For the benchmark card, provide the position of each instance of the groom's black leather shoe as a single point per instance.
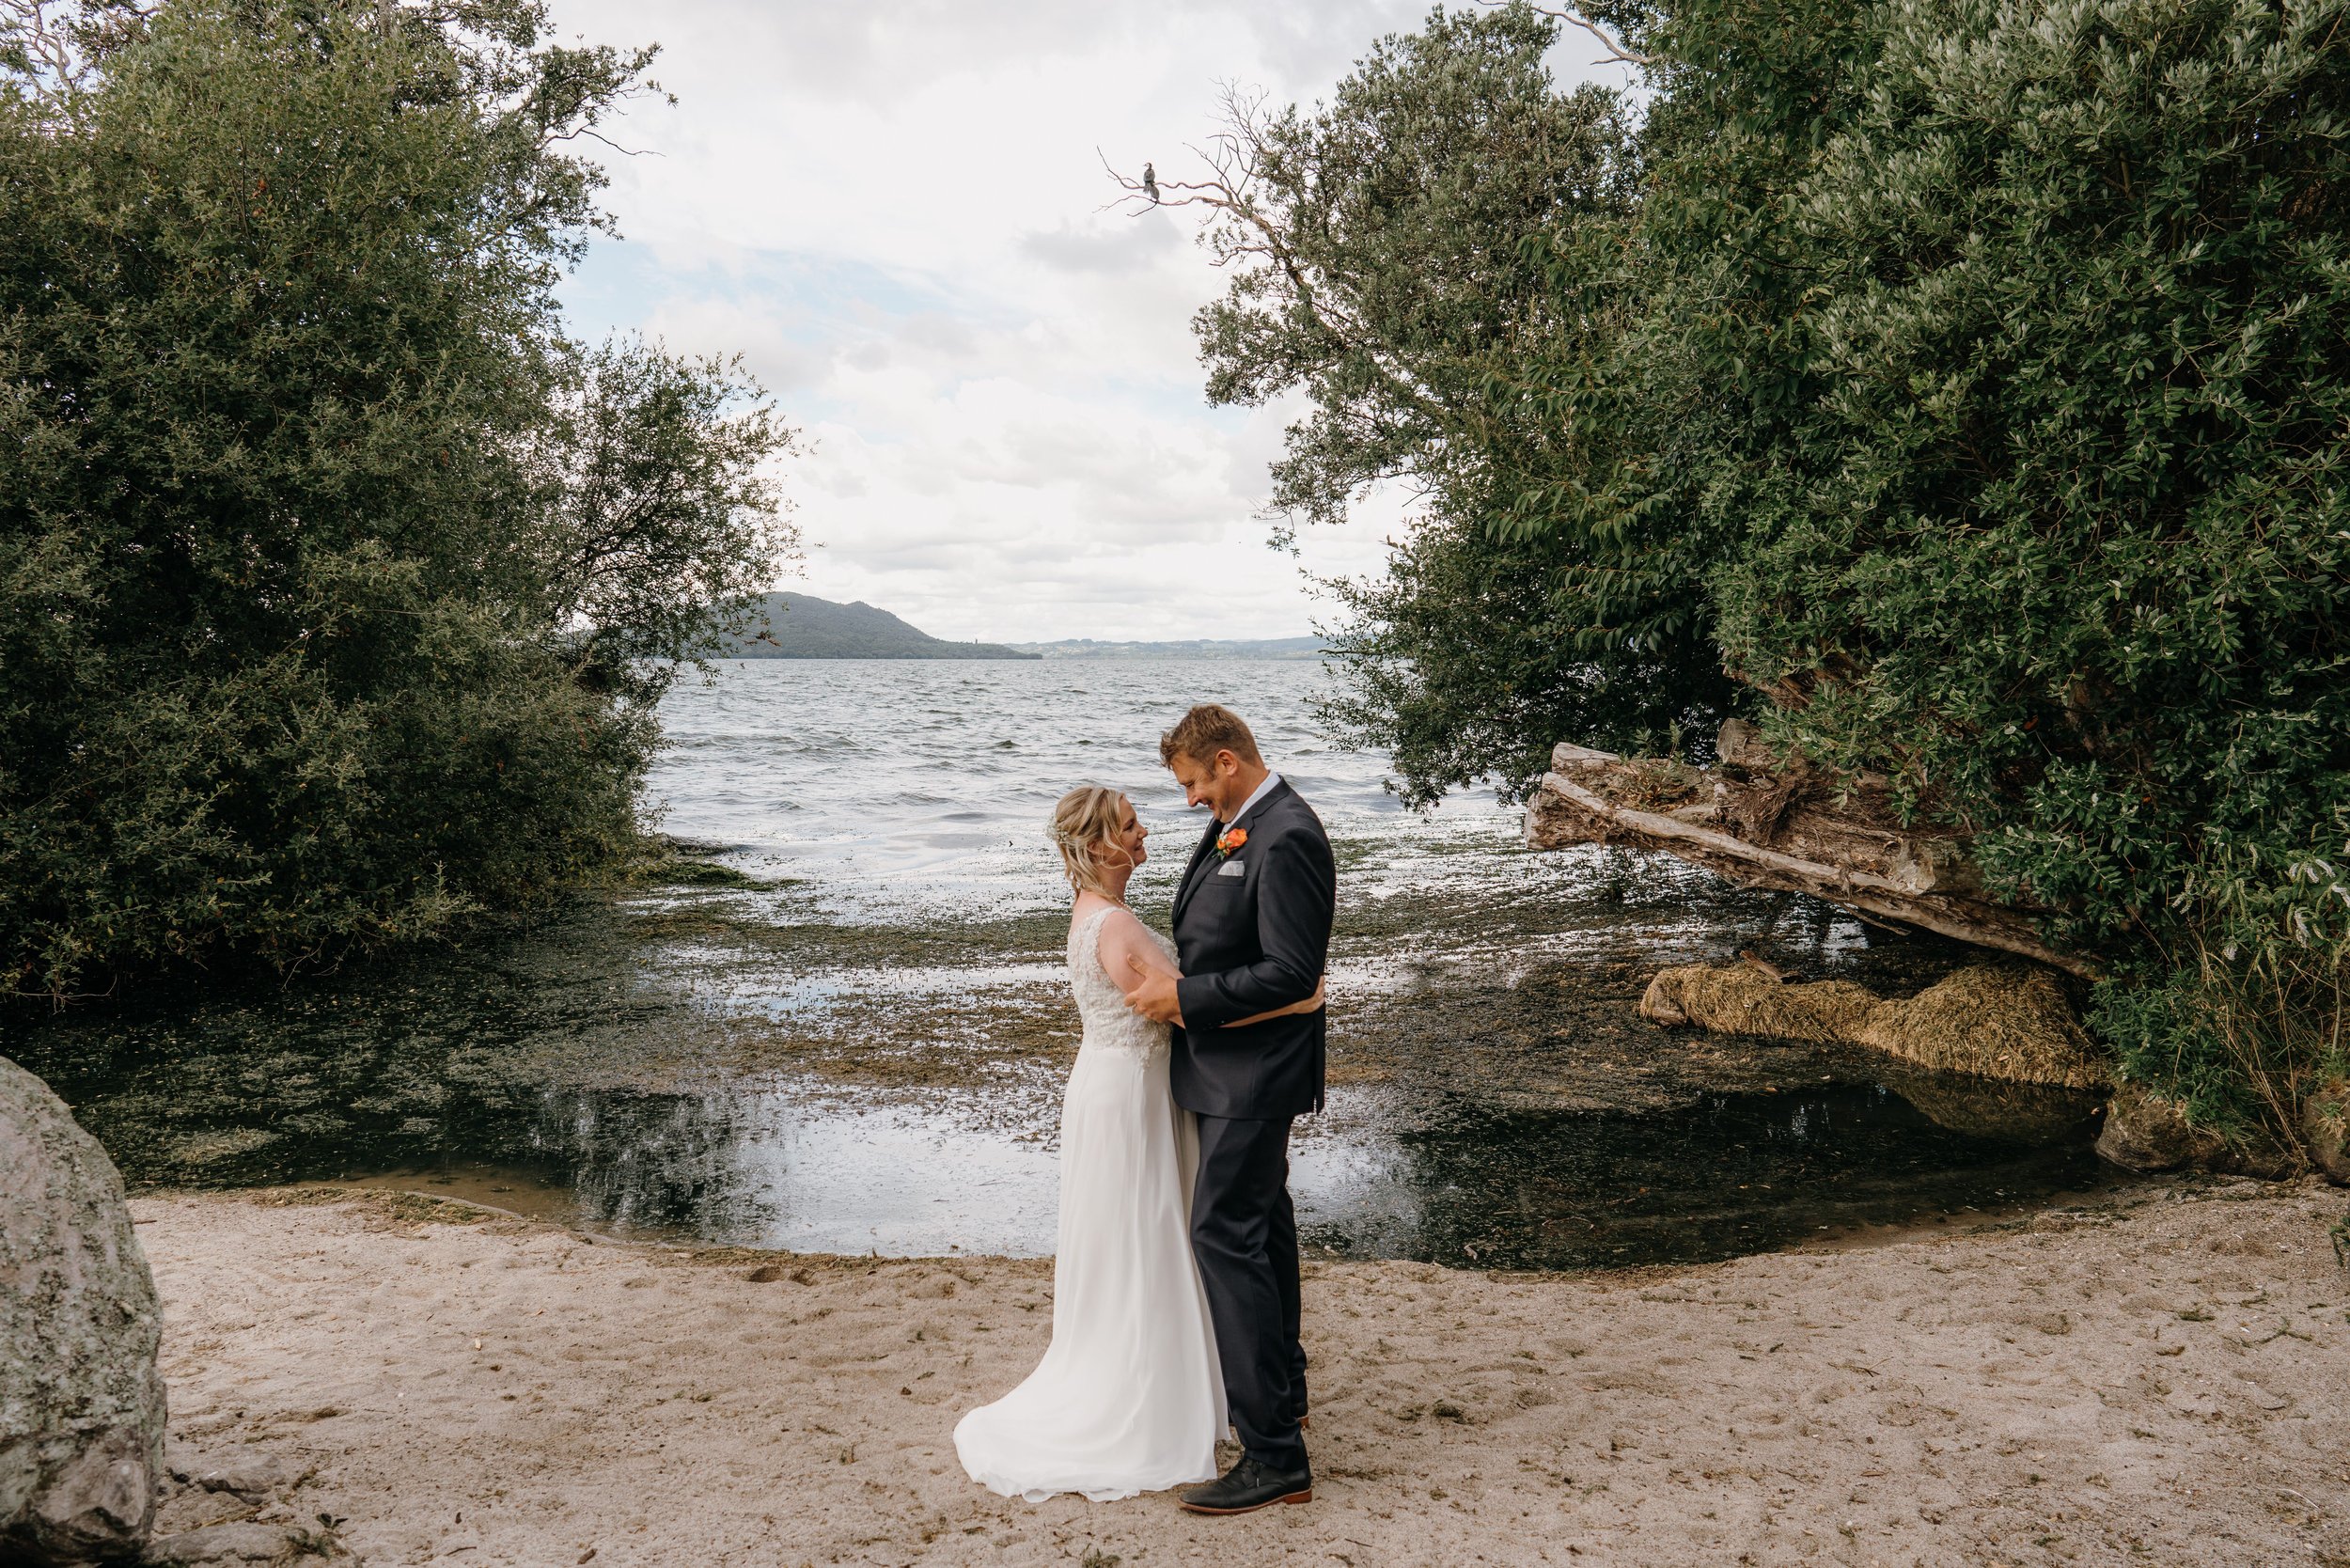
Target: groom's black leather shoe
(1249, 1486)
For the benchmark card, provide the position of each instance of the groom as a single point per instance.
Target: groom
(1252, 928)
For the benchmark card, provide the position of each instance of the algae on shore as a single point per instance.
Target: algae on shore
(722, 1063)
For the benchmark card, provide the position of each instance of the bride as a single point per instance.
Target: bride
(1128, 1398)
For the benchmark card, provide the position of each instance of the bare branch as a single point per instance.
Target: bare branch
(1608, 40)
(1230, 157)
(62, 41)
(1142, 194)
(1243, 228)
(578, 132)
(58, 68)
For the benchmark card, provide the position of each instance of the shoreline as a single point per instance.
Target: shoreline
(462, 1193)
(2161, 1373)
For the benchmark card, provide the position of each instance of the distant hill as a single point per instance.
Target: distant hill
(802, 626)
(1199, 648)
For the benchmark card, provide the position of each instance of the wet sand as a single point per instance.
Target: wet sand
(2159, 1375)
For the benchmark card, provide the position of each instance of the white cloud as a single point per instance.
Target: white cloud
(894, 211)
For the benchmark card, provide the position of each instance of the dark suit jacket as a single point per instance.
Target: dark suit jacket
(1250, 941)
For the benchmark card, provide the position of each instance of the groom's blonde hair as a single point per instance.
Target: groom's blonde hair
(1083, 823)
(1205, 731)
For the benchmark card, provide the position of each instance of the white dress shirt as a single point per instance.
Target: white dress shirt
(1254, 795)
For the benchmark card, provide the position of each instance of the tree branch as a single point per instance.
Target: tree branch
(1232, 157)
(57, 40)
(1608, 40)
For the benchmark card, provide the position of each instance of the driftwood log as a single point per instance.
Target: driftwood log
(1763, 824)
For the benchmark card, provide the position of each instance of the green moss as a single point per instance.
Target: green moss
(707, 873)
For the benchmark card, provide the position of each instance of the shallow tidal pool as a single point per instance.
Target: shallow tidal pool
(862, 1049)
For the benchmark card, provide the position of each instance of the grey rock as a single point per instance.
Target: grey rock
(181, 1460)
(1567, 757)
(81, 1400)
(2263, 1156)
(251, 1478)
(226, 1543)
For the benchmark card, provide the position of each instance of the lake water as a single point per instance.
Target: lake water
(861, 1049)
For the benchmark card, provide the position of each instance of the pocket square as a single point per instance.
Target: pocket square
(1231, 868)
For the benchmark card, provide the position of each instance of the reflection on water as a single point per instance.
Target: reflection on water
(1733, 1173)
(867, 1056)
(1513, 1190)
(570, 1074)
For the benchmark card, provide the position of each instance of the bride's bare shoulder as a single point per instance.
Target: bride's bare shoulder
(1108, 919)
(1118, 924)
(1124, 936)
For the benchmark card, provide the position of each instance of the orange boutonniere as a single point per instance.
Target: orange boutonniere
(1230, 839)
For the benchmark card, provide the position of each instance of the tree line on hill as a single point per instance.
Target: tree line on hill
(1959, 388)
(802, 626)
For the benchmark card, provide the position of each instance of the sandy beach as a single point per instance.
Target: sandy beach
(2160, 1376)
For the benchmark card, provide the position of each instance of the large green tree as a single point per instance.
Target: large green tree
(1966, 381)
(2056, 534)
(1437, 258)
(336, 581)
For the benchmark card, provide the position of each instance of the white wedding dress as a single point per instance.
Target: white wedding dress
(1128, 1398)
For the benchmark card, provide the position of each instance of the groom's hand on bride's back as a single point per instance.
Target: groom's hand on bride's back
(1151, 994)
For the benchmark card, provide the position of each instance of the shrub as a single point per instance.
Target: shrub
(329, 569)
(1969, 381)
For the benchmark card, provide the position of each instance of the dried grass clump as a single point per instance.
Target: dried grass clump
(1995, 1022)
(2004, 1022)
(1742, 1000)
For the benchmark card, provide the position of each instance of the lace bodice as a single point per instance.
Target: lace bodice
(1109, 1022)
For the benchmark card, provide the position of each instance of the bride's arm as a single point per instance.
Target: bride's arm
(1128, 955)
(1311, 1004)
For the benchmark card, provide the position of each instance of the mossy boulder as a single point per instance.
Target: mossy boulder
(2148, 1132)
(2326, 1129)
(81, 1399)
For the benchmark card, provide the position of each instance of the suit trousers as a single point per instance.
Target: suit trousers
(1243, 1232)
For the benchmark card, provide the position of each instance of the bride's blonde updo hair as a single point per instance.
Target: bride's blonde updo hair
(1084, 823)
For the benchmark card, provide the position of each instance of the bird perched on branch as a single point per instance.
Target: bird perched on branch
(1150, 183)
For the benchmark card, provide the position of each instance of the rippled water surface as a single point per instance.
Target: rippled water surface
(860, 1046)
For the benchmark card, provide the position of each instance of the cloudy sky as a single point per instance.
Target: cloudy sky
(893, 211)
